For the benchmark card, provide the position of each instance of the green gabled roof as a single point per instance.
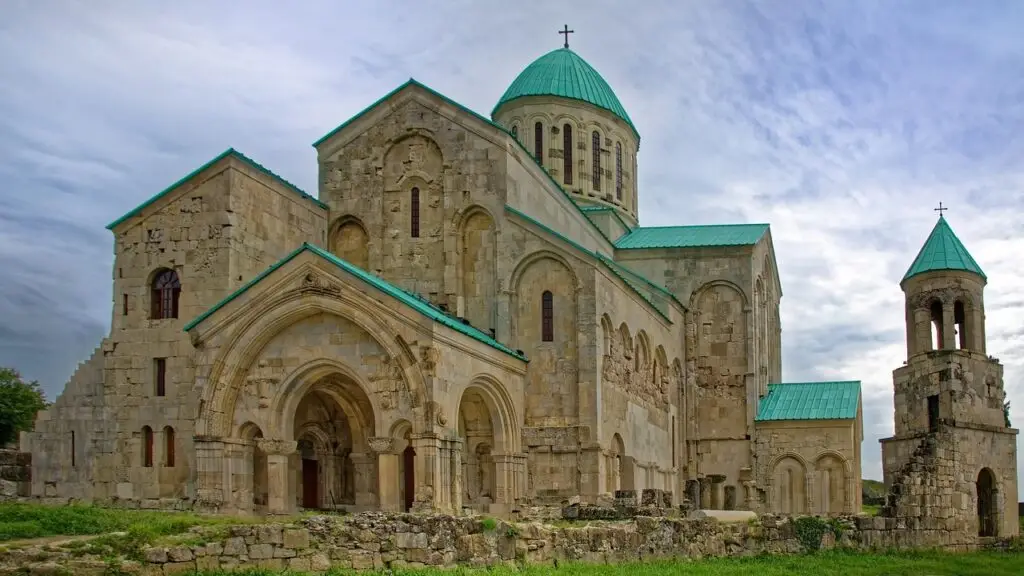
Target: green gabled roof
(692, 236)
(629, 277)
(415, 302)
(943, 251)
(810, 401)
(564, 74)
(229, 152)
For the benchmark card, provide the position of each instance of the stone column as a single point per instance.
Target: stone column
(210, 485)
(364, 467)
(428, 477)
(387, 474)
(238, 475)
(278, 452)
(705, 493)
(717, 491)
(457, 479)
(809, 493)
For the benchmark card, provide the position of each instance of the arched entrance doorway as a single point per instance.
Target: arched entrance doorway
(481, 441)
(987, 516)
(408, 477)
(257, 468)
(333, 466)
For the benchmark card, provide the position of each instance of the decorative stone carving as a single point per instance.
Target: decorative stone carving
(381, 444)
(315, 283)
(388, 381)
(276, 447)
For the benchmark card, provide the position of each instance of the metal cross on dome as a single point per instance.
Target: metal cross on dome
(940, 209)
(566, 31)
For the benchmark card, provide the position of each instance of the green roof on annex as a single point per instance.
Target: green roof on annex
(564, 74)
(810, 401)
(692, 236)
(943, 251)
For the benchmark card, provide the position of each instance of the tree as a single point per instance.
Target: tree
(1006, 413)
(19, 403)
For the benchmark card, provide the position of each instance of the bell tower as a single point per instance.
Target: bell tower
(952, 463)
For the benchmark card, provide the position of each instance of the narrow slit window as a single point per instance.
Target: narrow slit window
(515, 131)
(547, 317)
(538, 142)
(124, 304)
(595, 144)
(414, 208)
(618, 171)
(169, 447)
(147, 447)
(933, 413)
(567, 154)
(72, 448)
(160, 376)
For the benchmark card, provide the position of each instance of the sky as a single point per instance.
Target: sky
(843, 124)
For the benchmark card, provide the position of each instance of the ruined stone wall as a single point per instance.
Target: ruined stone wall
(808, 467)
(934, 479)
(616, 164)
(378, 541)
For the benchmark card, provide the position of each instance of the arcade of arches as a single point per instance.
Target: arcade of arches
(333, 460)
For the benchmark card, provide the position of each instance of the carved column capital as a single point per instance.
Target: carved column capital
(381, 444)
(276, 447)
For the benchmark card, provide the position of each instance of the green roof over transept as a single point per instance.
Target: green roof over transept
(564, 74)
(943, 251)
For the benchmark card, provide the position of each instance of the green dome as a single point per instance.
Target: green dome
(564, 74)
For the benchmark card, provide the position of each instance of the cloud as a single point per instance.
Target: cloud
(841, 123)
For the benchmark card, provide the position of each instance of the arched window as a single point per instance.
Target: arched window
(547, 317)
(595, 144)
(169, 447)
(960, 319)
(538, 142)
(165, 292)
(147, 446)
(515, 131)
(414, 213)
(567, 154)
(935, 309)
(618, 171)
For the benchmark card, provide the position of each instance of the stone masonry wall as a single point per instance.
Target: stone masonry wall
(377, 540)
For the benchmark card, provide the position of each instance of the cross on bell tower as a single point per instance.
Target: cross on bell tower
(566, 32)
(940, 209)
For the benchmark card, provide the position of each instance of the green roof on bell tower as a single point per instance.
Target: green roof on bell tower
(943, 251)
(564, 74)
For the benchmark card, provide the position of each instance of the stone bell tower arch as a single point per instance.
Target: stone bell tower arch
(950, 426)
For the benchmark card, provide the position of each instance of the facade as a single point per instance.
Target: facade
(467, 317)
(952, 462)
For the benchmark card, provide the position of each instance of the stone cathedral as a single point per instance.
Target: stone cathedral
(467, 317)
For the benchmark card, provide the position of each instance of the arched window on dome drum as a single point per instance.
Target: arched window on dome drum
(165, 292)
(414, 212)
(547, 317)
(515, 131)
(538, 142)
(618, 171)
(595, 144)
(567, 153)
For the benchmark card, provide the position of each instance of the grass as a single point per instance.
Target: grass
(821, 564)
(118, 532)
